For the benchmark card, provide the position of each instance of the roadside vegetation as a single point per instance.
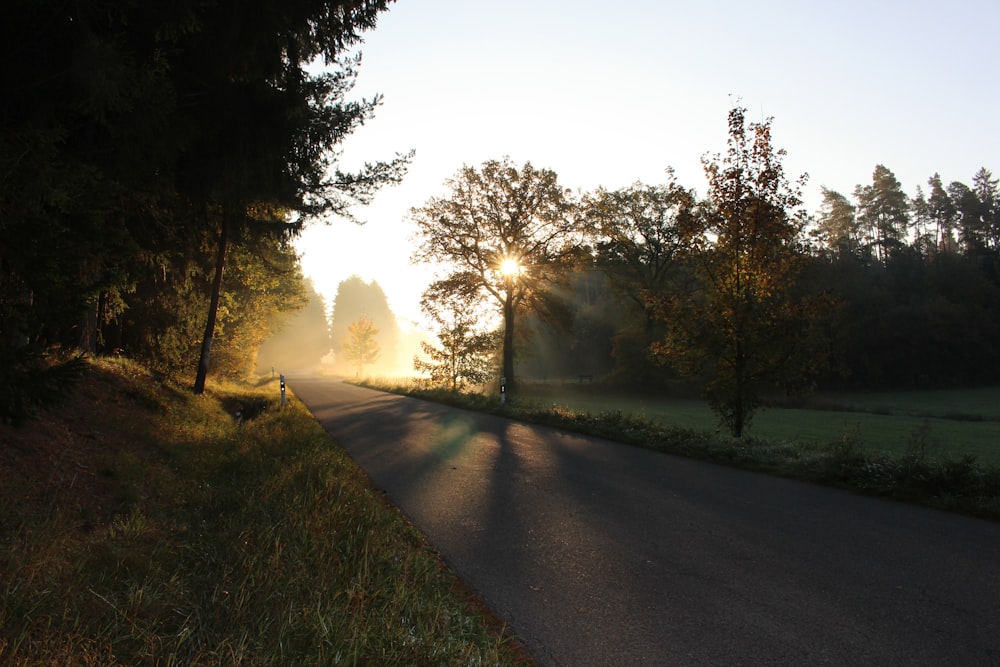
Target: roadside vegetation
(903, 448)
(146, 525)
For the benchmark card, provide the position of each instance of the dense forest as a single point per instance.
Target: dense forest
(156, 161)
(913, 281)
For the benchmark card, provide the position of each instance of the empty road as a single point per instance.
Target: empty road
(602, 554)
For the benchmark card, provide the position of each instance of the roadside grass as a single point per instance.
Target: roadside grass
(145, 525)
(937, 462)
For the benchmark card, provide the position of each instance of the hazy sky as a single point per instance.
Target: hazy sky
(611, 93)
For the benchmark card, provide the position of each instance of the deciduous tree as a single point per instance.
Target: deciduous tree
(743, 330)
(356, 298)
(297, 340)
(467, 351)
(360, 346)
(636, 234)
(502, 234)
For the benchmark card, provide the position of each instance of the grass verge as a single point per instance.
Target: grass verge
(146, 526)
(920, 473)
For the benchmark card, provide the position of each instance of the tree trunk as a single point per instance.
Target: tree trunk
(740, 397)
(87, 331)
(108, 334)
(508, 338)
(213, 307)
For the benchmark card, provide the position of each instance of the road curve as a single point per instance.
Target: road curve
(602, 554)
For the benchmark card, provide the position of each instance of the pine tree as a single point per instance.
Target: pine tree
(883, 211)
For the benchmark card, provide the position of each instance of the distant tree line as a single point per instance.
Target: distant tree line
(360, 323)
(912, 283)
(157, 158)
(741, 293)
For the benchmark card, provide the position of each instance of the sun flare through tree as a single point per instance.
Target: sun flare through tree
(502, 234)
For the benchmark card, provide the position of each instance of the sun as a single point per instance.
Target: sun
(509, 267)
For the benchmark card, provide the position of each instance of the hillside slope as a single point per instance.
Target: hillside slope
(63, 461)
(144, 525)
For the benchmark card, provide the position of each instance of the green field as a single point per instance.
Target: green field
(951, 423)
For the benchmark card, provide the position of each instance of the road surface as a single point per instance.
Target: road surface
(602, 554)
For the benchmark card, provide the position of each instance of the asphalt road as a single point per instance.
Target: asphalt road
(603, 554)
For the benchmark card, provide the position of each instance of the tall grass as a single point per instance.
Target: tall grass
(254, 543)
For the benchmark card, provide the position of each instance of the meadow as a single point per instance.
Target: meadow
(953, 423)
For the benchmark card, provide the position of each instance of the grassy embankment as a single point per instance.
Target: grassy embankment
(938, 449)
(142, 525)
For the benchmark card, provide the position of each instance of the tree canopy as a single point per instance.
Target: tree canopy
(883, 212)
(356, 299)
(141, 142)
(637, 240)
(467, 350)
(741, 328)
(502, 234)
(360, 346)
(637, 232)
